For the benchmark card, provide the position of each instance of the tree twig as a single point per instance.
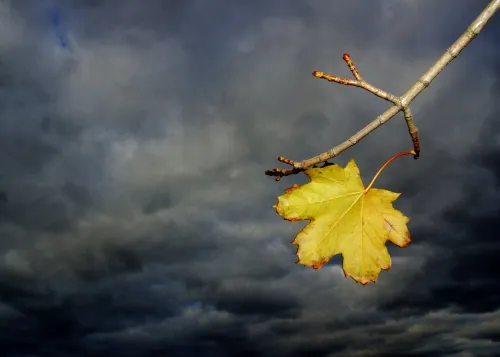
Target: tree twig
(400, 103)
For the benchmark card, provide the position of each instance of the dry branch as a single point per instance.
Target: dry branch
(400, 103)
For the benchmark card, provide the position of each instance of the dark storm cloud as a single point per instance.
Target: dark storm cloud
(135, 218)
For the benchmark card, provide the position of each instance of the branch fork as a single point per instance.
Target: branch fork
(399, 103)
(360, 82)
(357, 82)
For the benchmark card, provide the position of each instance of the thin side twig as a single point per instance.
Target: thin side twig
(412, 129)
(358, 82)
(400, 103)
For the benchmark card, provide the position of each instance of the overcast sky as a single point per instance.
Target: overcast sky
(135, 216)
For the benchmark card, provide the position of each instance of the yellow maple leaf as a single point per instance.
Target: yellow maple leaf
(345, 218)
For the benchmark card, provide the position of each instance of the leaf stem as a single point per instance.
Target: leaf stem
(411, 152)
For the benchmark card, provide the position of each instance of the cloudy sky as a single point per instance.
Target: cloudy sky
(135, 216)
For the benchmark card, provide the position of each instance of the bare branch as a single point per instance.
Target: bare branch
(413, 131)
(400, 103)
(358, 82)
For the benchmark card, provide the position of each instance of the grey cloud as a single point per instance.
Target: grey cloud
(135, 217)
